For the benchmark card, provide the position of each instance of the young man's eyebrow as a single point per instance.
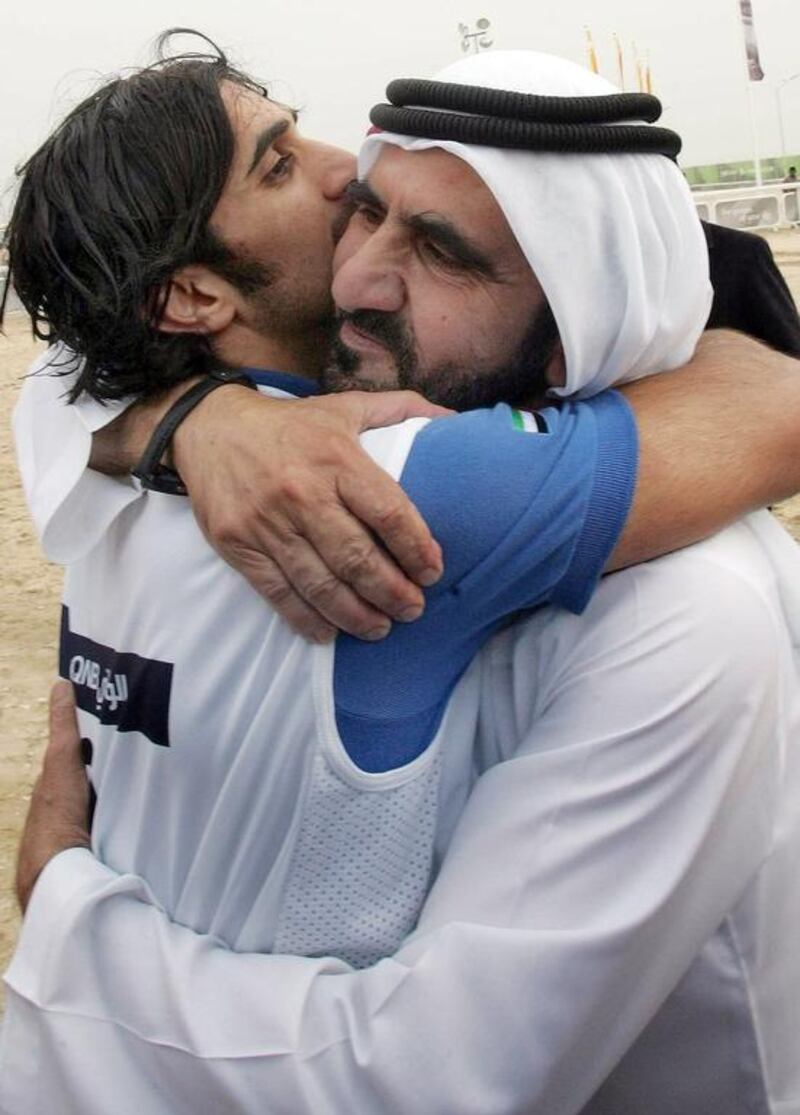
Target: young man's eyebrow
(266, 139)
(458, 246)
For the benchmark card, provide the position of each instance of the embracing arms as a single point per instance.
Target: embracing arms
(286, 495)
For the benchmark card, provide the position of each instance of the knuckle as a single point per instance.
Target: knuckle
(321, 590)
(252, 564)
(391, 517)
(356, 560)
(336, 450)
(224, 531)
(278, 592)
(293, 487)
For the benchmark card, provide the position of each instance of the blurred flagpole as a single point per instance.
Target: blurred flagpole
(637, 65)
(754, 73)
(592, 52)
(620, 62)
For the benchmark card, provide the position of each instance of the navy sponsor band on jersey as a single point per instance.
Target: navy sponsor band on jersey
(118, 687)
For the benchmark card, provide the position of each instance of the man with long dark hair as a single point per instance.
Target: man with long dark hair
(131, 218)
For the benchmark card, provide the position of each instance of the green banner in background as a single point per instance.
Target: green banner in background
(739, 174)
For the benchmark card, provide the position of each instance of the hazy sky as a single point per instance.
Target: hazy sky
(336, 59)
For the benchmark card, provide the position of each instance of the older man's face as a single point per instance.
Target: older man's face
(434, 290)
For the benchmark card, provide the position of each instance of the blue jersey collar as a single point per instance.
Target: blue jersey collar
(283, 381)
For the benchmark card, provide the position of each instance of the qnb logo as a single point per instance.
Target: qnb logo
(118, 687)
(107, 690)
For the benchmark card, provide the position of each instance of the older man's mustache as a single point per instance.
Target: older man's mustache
(385, 328)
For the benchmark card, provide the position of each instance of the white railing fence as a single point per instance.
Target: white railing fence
(750, 207)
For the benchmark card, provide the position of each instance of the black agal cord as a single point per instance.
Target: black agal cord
(503, 118)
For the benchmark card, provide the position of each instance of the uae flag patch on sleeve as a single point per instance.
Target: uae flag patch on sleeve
(528, 422)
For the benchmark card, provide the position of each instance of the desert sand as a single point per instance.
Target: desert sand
(29, 606)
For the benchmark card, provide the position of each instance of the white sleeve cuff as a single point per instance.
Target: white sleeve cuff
(74, 873)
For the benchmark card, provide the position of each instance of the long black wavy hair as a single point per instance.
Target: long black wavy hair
(112, 204)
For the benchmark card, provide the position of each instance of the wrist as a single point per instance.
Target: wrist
(117, 447)
(155, 469)
(212, 420)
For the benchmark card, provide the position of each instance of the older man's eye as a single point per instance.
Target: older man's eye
(368, 216)
(434, 254)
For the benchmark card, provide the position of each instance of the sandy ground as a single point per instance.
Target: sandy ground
(29, 593)
(29, 608)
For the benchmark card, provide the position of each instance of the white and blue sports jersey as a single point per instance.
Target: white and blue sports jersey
(297, 798)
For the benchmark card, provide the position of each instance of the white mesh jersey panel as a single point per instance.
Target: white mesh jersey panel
(361, 866)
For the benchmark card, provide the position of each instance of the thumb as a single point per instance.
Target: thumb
(59, 803)
(385, 408)
(62, 705)
(65, 744)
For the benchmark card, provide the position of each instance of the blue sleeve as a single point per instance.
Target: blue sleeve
(524, 517)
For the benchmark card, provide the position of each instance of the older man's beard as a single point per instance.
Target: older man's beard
(516, 381)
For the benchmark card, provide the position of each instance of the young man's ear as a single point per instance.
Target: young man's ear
(198, 301)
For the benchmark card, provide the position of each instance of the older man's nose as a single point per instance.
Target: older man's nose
(366, 283)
